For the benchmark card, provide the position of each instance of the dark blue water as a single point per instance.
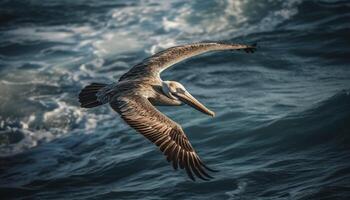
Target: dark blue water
(282, 129)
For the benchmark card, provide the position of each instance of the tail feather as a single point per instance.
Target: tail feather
(87, 96)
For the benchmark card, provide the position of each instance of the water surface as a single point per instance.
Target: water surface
(283, 113)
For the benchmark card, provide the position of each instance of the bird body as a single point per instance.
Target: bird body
(140, 89)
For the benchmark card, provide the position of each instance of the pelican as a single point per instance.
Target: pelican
(140, 89)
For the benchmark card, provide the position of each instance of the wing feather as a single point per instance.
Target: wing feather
(141, 115)
(152, 67)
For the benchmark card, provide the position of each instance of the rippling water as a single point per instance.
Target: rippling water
(283, 113)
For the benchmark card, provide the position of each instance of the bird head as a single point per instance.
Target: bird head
(177, 91)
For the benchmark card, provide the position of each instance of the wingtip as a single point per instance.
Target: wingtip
(251, 48)
(210, 169)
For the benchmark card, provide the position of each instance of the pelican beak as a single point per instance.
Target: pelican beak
(188, 99)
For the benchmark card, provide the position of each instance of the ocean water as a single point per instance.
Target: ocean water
(282, 125)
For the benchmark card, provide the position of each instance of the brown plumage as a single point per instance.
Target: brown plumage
(138, 91)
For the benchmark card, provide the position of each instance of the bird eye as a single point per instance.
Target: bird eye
(180, 90)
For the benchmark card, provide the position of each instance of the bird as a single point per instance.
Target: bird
(137, 93)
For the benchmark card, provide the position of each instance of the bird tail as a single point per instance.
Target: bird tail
(88, 95)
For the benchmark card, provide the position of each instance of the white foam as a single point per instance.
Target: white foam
(47, 126)
(116, 43)
(241, 187)
(40, 33)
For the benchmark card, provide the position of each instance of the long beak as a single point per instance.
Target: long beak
(191, 101)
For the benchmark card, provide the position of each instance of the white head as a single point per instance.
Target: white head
(177, 91)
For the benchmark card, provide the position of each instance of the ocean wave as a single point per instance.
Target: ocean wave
(43, 126)
(323, 127)
(281, 124)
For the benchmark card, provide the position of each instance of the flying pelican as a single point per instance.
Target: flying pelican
(140, 89)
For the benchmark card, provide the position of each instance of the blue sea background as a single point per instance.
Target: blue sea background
(282, 121)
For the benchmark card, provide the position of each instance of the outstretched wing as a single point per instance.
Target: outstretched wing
(154, 65)
(141, 115)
